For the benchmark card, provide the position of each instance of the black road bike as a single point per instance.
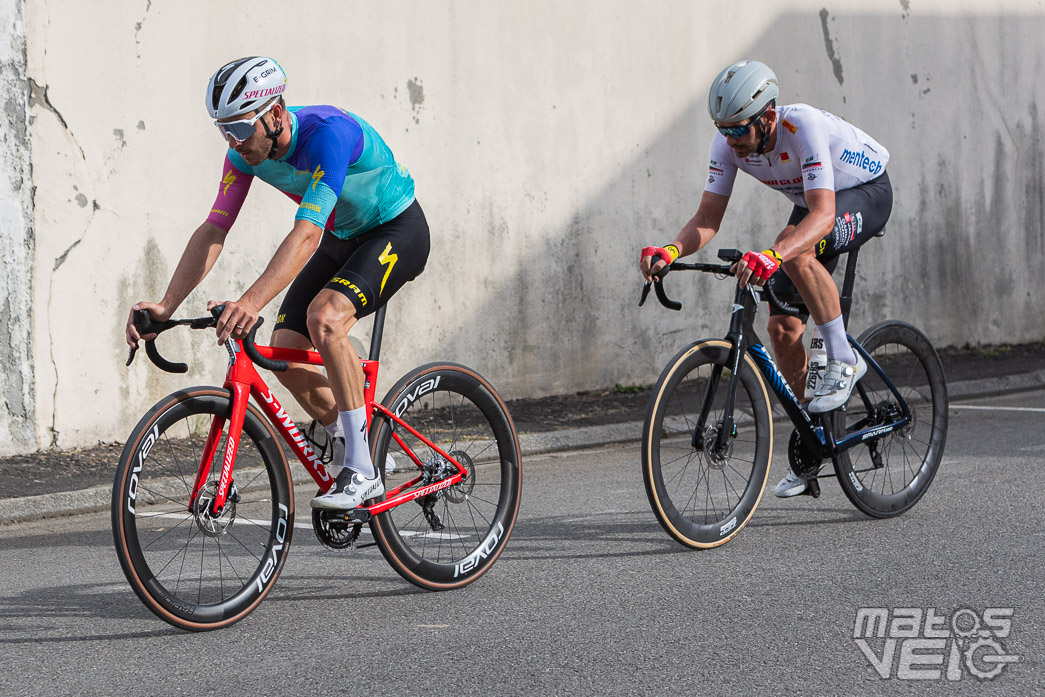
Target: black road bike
(708, 434)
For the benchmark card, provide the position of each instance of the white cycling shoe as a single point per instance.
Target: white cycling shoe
(837, 385)
(791, 485)
(350, 490)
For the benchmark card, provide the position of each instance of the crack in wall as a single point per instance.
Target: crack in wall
(836, 62)
(53, 428)
(38, 97)
(138, 28)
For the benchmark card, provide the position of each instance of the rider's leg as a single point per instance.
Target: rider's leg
(330, 317)
(307, 383)
(380, 263)
(818, 290)
(785, 334)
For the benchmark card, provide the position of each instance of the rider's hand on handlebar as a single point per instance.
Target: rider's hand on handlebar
(157, 313)
(236, 321)
(653, 259)
(757, 267)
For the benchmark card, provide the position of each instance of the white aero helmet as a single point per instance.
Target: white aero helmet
(243, 86)
(741, 91)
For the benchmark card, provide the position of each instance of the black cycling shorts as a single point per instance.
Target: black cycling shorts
(860, 212)
(368, 269)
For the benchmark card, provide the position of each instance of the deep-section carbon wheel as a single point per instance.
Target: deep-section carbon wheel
(447, 538)
(194, 568)
(885, 476)
(701, 493)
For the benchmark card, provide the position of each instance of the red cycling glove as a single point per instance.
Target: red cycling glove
(666, 254)
(762, 264)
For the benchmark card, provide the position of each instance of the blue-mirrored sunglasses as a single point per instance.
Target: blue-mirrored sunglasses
(244, 128)
(736, 131)
(741, 131)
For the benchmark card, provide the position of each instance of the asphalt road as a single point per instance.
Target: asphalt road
(590, 598)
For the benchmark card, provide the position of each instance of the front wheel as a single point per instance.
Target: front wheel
(451, 537)
(885, 476)
(704, 494)
(193, 568)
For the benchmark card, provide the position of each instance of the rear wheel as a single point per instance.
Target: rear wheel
(887, 475)
(192, 568)
(447, 538)
(703, 495)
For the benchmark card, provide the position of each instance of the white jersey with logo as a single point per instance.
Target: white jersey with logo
(814, 150)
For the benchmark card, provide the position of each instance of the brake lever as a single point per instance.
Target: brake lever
(642, 300)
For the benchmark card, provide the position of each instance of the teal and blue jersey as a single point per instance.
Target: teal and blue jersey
(339, 170)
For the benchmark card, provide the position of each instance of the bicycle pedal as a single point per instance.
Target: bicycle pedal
(812, 489)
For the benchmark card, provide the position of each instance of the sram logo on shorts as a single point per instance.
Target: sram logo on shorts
(351, 286)
(411, 397)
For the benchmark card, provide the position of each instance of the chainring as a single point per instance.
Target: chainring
(331, 529)
(802, 461)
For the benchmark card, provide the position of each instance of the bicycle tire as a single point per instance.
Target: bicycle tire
(910, 457)
(193, 572)
(678, 477)
(462, 414)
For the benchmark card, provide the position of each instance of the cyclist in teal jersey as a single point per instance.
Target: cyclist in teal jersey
(358, 236)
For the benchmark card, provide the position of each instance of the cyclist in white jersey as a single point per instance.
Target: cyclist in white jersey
(835, 175)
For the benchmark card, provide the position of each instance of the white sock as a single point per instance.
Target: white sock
(357, 450)
(835, 343)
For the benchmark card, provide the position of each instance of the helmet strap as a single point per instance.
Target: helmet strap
(273, 135)
(763, 139)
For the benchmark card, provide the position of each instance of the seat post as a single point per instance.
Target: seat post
(845, 298)
(375, 335)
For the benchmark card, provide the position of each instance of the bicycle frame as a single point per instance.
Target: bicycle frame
(243, 382)
(743, 339)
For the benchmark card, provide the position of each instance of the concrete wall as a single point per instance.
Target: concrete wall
(17, 427)
(549, 141)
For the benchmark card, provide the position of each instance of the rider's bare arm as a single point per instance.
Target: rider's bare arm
(286, 263)
(200, 253)
(694, 234)
(703, 225)
(197, 260)
(797, 240)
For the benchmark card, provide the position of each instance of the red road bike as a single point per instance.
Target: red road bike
(203, 501)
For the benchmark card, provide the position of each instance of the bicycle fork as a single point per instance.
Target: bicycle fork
(743, 309)
(225, 487)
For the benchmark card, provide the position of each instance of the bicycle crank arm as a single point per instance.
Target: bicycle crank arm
(356, 515)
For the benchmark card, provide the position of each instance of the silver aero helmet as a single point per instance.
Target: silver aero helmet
(243, 86)
(741, 91)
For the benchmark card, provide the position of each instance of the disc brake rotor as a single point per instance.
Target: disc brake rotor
(202, 510)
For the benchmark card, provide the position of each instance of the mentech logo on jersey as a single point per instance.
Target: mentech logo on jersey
(862, 161)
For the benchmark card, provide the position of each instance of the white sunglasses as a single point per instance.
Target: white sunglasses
(244, 128)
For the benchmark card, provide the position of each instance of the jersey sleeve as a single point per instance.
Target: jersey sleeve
(232, 191)
(330, 151)
(722, 170)
(813, 143)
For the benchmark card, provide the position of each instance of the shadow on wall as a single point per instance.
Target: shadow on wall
(967, 157)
